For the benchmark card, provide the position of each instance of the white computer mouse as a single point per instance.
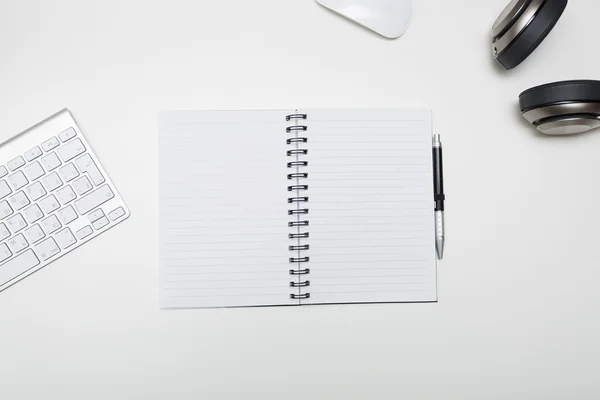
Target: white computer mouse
(389, 18)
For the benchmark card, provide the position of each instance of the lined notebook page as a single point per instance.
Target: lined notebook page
(223, 209)
(371, 206)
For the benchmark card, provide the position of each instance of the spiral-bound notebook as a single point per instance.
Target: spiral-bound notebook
(296, 207)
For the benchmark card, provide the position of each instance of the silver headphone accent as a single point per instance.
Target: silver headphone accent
(515, 17)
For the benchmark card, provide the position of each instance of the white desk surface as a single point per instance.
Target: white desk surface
(519, 300)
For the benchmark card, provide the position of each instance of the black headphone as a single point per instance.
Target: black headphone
(521, 27)
(562, 108)
(556, 108)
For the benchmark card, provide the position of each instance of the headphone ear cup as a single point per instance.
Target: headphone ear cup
(527, 31)
(561, 108)
(577, 91)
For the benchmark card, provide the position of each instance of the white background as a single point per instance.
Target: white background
(519, 299)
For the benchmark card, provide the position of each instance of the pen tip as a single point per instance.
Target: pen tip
(440, 248)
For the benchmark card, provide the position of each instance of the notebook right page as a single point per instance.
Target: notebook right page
(371, 206)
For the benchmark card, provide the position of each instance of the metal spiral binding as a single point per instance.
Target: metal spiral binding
(299, 188)
(296, 212)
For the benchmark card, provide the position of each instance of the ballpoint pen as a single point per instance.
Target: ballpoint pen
(439, 197)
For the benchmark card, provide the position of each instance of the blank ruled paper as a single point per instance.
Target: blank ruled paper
(223, 209)
(371, 206)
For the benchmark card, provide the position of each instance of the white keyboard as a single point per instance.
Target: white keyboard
(54, 196)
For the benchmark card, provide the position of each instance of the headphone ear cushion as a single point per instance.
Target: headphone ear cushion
(531, 37)
(560, 92)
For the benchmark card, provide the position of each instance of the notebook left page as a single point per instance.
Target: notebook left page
(223, 209)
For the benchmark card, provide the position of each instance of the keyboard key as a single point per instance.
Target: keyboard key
(84, 232)
(69, 172)
(4, 232)
(52, 181)
(71, 150)
(18, 201)
(17, 243)
(4, 189)
(18, 265)
(82, 185)
(5, 209)
(51, 224)
(33, 153)
(67, 135)
(16, 223)
(5, 253)
(101, 223)
(50, 144)
(17, 180)
(51, 162)
(16, 163)
(35, 191)
(47, 249)
(34, 234)
(96, 215)
(67, 215)
(33, 214)
(116, 214)
(94, 199)
(86, 164)
(65, 238)
(66, 195)
(3, 171)
(50, 204)
(34, 171)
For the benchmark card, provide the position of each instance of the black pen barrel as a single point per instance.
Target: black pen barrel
(438, 179)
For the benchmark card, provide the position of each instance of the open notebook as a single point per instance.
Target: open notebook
(295, 207)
